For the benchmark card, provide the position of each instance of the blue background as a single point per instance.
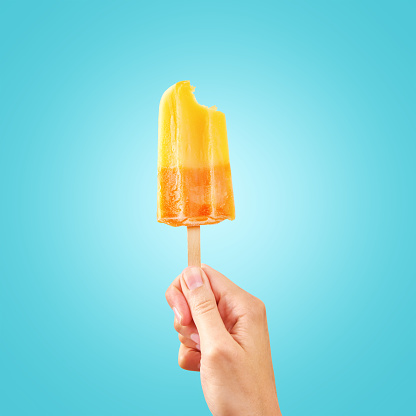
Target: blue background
(320, 105)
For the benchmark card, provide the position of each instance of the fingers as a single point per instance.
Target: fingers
(178, 303)
(189, 358)
(189, 342)
(186, 331)
(220, 286)
(202, 303)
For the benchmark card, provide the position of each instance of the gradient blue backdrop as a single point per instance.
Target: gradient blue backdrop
(320, 105)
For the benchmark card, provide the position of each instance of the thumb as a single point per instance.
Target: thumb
(201, 300)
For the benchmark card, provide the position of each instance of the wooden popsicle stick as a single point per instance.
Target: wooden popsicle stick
(194, 246)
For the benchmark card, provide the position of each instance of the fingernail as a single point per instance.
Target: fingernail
(193, 277)
(177, 314)
(195, 338)
(198, 347)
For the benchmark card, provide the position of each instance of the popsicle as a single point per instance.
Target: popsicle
(194, 174)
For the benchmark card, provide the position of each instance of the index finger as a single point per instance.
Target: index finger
(177, 300)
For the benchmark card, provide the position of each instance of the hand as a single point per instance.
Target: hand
(223, 334)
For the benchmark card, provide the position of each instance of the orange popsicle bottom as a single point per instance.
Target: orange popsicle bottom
(195, 196)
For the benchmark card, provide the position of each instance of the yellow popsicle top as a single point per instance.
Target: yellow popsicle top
(190, 134)
(194, 175)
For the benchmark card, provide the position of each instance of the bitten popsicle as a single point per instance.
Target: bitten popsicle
(194, 174)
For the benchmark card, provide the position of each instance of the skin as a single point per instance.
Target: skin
(223, 334)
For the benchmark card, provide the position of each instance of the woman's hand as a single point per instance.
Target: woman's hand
(223, 334)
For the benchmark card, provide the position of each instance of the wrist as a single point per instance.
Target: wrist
(273, 408)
